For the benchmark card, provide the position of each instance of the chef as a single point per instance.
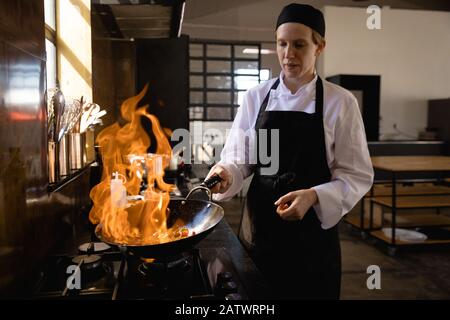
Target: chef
(290, 221)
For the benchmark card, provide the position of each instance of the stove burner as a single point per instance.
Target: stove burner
(197, 274)
(89, 261)
(96, 247)
(152, 265)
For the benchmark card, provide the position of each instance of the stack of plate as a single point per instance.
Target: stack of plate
(405, 235)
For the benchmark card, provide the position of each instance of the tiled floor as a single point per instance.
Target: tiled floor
(421, 274)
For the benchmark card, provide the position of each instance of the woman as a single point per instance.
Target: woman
(291, 217)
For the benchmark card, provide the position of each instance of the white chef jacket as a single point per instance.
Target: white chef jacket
(346, 145)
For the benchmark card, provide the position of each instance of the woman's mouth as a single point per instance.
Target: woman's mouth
(291, 66)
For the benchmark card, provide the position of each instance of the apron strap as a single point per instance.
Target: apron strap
(266, 99)
(319, 97)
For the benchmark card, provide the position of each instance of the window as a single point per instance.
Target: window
(220, 73)
(50, 43)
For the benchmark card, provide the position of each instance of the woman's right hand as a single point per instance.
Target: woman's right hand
(227, 178)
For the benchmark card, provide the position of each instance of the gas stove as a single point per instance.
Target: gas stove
(105, 273)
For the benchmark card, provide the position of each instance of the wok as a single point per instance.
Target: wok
(199, 216)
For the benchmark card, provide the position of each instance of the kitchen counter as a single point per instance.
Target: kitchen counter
(221, 240)
(223, 236)
(75, 230)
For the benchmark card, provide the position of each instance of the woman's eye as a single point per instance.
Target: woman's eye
(299, 45)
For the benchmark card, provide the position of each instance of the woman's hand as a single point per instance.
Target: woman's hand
(295, 204)
(227, 178)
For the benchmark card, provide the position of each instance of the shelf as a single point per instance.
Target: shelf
(381, 236)
(54, 187)
(355, 220)
(417, 189)
(418, 220)
(415, 202)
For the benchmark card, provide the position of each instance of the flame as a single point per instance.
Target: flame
(124, 150)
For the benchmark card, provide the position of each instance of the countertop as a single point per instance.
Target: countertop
(78, 230)
(251, 278)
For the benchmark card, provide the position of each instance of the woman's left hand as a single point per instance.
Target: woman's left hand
(295, 204)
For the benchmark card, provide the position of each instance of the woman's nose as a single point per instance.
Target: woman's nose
(289, 53)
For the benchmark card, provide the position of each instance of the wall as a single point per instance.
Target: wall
(225, 22)
(410, 52)
(74, 48)
(113, 71)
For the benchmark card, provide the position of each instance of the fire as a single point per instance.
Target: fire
(124, 153)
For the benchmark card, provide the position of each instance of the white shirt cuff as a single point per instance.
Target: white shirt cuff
(329, 207)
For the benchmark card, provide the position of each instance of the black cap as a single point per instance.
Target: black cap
(304, 14)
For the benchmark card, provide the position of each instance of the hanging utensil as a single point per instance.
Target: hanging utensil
(59, 107)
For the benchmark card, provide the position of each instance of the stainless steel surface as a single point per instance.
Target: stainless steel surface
(22, 25)
(77, 150)
(59, 107)
(52, 167)
(31, 218)
(63, 156)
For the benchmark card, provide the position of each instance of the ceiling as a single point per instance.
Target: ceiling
(199, 8)
(129, 19)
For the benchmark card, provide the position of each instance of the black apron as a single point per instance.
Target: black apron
(299, 259)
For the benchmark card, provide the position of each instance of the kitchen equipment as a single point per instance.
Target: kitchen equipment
(405, 235)
(63, 157)
(199, 216)
(59, 106)
(197, 274)
(91, 115)
(52, 167)
(77, 150)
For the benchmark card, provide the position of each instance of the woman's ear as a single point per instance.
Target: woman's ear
(320, 48)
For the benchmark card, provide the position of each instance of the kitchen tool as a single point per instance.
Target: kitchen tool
(63, 157)
(198, 216)
(73, 116)
(52, 168)
(77, 150)
(91, 115)
(59, 106)
(50, 114)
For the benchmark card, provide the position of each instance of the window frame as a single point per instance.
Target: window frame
(204, 90)
(51, 36)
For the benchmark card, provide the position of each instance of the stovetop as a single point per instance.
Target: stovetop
(201, 273)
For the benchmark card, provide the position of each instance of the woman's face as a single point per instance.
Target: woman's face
(296, 50)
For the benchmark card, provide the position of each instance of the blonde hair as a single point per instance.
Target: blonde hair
(317, 38)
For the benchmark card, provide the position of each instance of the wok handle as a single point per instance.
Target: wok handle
(206, 186)
(211, 182)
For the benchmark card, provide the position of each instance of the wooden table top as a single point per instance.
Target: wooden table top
(411, 163)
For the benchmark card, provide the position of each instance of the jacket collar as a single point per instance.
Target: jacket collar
(306, 88)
